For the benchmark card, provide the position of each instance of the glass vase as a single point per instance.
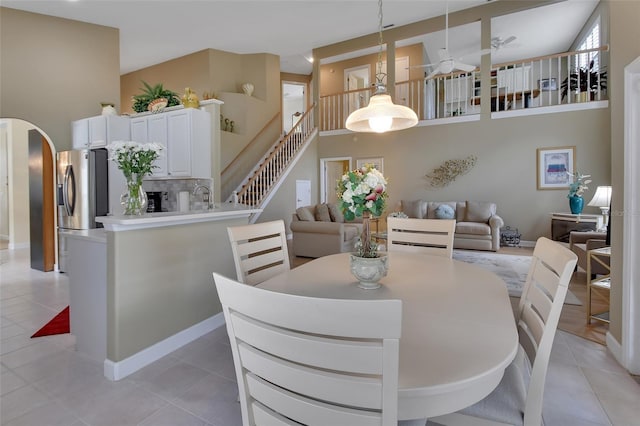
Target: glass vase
(134, 200)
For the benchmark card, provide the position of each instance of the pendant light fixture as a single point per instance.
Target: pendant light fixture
(381, 115)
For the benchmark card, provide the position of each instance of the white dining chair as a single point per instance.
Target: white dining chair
(259, 251)
(311, 360)
(518, 398)
(430, 236)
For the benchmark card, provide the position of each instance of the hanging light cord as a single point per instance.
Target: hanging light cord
(380, 87)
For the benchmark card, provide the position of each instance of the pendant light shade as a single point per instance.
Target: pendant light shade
(381, 115)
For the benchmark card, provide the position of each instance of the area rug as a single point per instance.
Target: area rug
(511, 268)
(58, 325)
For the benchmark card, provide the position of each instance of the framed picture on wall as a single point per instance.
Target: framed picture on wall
(554, 166)
(548, 84)
(376, 162)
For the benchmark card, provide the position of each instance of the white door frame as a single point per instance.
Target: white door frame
(630, 356)
(323, 174)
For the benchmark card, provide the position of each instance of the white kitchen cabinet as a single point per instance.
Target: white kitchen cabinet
(152, 128)
(186, 136)
(99, 131)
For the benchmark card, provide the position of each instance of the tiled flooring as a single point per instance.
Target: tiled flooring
(45, 382)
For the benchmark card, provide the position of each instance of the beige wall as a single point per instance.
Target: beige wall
(283, 204)
(505, 172)
(624, 36)
(332, 75)
(159, 282)
(54, 71)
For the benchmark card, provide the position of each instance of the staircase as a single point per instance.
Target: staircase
(263, 181)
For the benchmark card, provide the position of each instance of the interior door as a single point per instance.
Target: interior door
(333, 173)
(303, 193)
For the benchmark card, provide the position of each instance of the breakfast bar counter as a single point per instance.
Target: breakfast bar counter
(142, 287)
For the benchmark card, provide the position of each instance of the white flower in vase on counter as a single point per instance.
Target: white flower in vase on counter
(136, 161)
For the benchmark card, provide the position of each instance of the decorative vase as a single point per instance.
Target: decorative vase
(576, 204)
(369, 270)
(247, 88)
(108, 109)
(134, 200)
(190, 99)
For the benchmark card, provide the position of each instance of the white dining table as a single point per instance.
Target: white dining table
(458, 330)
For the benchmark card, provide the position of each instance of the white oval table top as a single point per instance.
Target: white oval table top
(458, 330)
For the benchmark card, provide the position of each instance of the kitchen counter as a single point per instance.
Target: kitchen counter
(141, 287)
(150, 220)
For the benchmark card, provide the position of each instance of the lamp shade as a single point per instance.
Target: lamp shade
(602, 197)
(381, 115)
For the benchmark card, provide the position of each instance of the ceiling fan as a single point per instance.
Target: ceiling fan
(498, 42)
(447, 63)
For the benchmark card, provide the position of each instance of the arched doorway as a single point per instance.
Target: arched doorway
(18, 212)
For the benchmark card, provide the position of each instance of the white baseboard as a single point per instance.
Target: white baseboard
(615, 348)
(121, 369)
(19, 246)
(524, 243)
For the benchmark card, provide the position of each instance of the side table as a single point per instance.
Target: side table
(602, 282)
(563, 223)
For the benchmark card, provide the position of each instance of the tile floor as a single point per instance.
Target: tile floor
(45, 382)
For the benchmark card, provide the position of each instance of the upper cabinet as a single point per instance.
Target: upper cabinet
(98, 132)
(185, 135)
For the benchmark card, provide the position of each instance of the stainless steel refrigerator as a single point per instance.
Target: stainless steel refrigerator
(83, 192)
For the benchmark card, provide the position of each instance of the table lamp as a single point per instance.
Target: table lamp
(602, 199)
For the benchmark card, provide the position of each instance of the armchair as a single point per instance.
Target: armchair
(580, 242)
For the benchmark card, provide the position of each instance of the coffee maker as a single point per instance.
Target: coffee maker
(154, 201)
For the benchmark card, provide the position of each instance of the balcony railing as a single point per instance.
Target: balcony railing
(529, 83)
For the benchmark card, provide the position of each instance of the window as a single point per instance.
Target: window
(591, 40)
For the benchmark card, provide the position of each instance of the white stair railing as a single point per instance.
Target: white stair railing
(255, 190)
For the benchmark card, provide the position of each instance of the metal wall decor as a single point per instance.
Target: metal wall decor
(449, 170)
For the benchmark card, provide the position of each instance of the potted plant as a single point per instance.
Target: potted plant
(584, 80)
(154, 98)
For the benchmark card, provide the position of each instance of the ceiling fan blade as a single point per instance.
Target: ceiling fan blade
(464, 67)
(433, 73)
(422, 66)
(509, 40)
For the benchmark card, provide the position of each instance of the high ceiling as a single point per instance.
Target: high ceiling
(153, 31)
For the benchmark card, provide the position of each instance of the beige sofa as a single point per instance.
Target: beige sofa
(477, 224)
(321, 230)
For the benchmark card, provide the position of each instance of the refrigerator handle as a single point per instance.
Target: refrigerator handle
(69, 183)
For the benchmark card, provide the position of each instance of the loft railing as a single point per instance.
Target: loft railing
(560, 79)
(528, 83)
(265, 177)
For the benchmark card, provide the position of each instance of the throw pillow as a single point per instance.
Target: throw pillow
(322, 213)
(305, 214)
(415, 209)
(336, 213)
(444, 211)
(479, 211)
(433, 206)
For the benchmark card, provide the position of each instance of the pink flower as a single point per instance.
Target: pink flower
(379, 189)
(371, 196)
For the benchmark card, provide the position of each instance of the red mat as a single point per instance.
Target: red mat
(58, 325)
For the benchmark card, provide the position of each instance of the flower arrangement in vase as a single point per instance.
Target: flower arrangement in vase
(136, 161)
(576, 189)
(362, 193)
